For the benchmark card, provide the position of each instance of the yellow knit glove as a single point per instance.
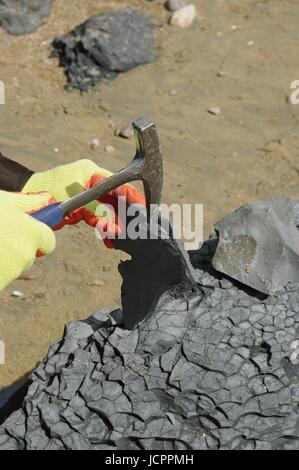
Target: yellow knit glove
(68, 180)
(21, 236)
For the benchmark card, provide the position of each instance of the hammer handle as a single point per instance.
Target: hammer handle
(54, 214)
(50, 215)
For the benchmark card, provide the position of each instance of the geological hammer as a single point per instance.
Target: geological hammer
(146, 166)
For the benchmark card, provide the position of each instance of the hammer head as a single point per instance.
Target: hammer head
(147, 164)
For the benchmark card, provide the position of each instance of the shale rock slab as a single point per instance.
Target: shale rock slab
(105, 45)
(23, 16)
(259, 244)
(215, 371)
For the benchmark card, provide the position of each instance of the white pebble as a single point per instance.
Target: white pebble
(250, 43)
(221, 73)
(112, 124)
(17, 293)
(184, 17)
(94, 143)
(172, 92)
(214, 110)
(109, 148)
(56, 150)
(234, 27)
(126, 132)
(173, 5)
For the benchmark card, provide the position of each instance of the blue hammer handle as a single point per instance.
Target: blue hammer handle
(50, 215)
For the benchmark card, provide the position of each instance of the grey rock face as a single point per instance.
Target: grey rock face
(23, 16)
(209, 372)
(104, 46)
(259, 244)
(156, 267)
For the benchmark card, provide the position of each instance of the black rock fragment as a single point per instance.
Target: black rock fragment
(213, 371)
(105, 45)
(23, 16)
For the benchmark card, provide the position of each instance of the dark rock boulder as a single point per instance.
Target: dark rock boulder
(218, 370)
(23, 16)
(104, 46)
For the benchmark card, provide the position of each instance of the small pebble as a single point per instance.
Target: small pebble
(112, 124)
(109, 148)
(56, 150)
(234, 27)
(250, 43)
(126, 132)
(172, 92)
(94, 143)
(221, 73)
(219, 33)
(173, 5)
(214, 110)
(184, 17)
(17, 293)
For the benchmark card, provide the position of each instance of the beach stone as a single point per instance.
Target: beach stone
(104, 46)
(183, 17)
(173, 5)
(126, 132)
(214, 110)
(23, 16)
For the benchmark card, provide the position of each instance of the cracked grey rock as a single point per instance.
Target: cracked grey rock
(259, 244)
(104, 46)
(23, 16)
(199, 382)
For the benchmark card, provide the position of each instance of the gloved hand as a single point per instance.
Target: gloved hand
(68, 180)
(22, 238)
